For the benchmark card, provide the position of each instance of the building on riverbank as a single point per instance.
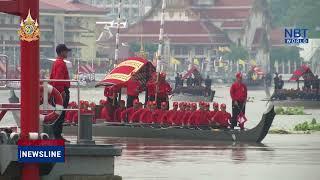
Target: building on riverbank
(69, 22)
(196, 30)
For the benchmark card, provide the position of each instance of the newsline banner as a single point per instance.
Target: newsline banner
(41, 151)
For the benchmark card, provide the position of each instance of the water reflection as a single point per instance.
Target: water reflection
(168, 150)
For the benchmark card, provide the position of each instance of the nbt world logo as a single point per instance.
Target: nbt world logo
(295, 36)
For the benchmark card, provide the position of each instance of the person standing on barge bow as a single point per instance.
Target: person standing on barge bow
(133, 90)
(238, 92)
(59, 70)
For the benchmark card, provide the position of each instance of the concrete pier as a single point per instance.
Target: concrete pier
(83, 161)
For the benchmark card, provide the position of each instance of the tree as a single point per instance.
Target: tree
(285, 54)
(237, 52)
(296, 13)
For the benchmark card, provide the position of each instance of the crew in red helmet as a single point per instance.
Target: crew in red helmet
(187, 114)
(161, 114)
(173, 113)
(238, 92)
(105, 112)
(222, 117)
(180, 114)
(147, 116)
(126, 115)
(212, 113)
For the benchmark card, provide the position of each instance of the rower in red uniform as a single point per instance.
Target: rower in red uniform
(212, 113)
(147, 116)
(105, 112)
(70, 114)
(204, 115)
(194, 119)
(222, 118)
(172, 114)
(119, 110)
(193, 107)
(238, 92)
(180, 114)
(187, 114)
(161, 115)
(126, 114)
(133, 90)
(136, 116)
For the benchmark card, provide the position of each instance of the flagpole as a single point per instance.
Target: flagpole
(159, 57)
(116, 53)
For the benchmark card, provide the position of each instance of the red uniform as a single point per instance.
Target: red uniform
(133, 87)
(199, 118)
(59, 70)
(105, 114)
(161, 116)
(147, 116)
(223, 118)
(185, 119)
(109, 91)
(171, 117)
(135, 117)
(194, 118)
(127, 113)
(164, 89)
(238, 92)
(179, 117)
(204, 118)
(212, 114)
(151, 87)
(69, 115)
(117, 114)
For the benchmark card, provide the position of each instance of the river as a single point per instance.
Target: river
(285, 157)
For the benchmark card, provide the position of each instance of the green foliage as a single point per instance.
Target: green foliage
(237, 52)
(290, 111)
(285, 53)
(291, 13)
(306, 126)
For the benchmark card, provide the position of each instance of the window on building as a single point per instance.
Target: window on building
(185, 50)
(11, 38)
(11, 19)
(177, 51)
(199, 50)
(1, 37)
(2, 21)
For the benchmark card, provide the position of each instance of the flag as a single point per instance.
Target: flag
(196, 61)
(241, 62)
(174, 61)
(253, 62)
(227, 49)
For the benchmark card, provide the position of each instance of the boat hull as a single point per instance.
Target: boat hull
(256, 134)
(307, 104)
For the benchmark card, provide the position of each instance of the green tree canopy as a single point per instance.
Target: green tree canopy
(285, 53)
(237, 52)
(296, 13)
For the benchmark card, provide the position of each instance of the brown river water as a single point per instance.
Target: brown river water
(283, 157)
